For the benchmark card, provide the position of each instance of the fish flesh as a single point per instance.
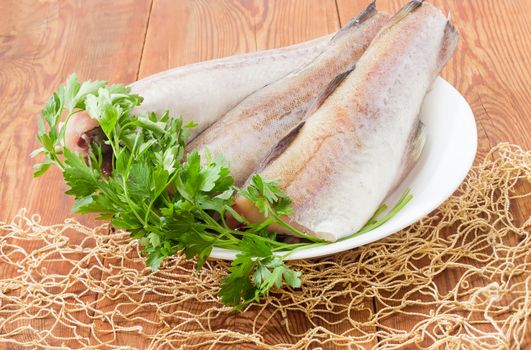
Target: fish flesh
(222, 82)
(204, 91)
(246, 134)
(341, 163)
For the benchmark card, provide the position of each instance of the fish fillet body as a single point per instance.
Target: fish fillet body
(204, 91)
(246, 134)
(349, 153)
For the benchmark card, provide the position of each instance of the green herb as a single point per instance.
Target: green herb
(171, 201)
(376, 221)
(254, 272)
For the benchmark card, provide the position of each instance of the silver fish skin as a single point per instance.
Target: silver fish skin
(350, 153)
(246, 134)
(204, 91)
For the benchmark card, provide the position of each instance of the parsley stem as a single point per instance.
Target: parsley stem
(374, 222)
(158, 194)
(62, 131)
(125, 178)
(295, 231)
(153, 184)
(131, 204)
(292, 246)
(62, 137)
(215, 226)
(300, 247)
(262, 238)
(57, 162)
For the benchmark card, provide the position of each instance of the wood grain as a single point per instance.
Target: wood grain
(42, 42)
(491, 68)
(185, 32)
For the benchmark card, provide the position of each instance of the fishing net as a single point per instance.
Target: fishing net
(458, 279)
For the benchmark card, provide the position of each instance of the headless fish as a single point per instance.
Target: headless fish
(222, 82)
(350, 153)
(246, 134)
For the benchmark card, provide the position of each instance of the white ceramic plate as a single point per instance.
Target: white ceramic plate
(446, 159)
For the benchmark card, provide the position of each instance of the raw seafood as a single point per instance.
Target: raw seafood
(338, 167)
(204, 91)
(246, 134)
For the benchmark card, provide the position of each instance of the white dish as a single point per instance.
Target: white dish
(446, 159)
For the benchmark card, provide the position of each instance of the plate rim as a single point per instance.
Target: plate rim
(377, 234)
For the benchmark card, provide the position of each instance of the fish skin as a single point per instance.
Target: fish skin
(350, 152)
(78, 125)
(246, 134)
(222, 82)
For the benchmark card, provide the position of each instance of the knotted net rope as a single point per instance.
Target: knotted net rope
(458, 279)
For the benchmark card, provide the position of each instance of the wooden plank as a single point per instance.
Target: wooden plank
(41, 43)
(491, 69)
(184, 32)
(491, 65)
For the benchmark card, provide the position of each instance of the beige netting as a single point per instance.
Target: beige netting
(459, 279)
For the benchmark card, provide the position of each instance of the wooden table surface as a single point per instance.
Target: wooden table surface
(42, 42)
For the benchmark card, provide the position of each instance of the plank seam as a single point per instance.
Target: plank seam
(375, 309)
(480, 121)
(92, 331)
(144, 39)
(3, 166)
(337, 14)
(374, 303)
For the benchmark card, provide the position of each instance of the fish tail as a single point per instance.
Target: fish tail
(450, 36)
(360, 18)
(291, 135)
(414, 147)
(449, 43)
(279, 148)
(400, 15)
(418, 141)
(404, 12)
(328, 90)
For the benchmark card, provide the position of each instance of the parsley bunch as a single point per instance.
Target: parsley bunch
(171, 201)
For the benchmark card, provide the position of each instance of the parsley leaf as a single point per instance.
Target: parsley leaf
(138, 176)
(267, 197)
(256, 259)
